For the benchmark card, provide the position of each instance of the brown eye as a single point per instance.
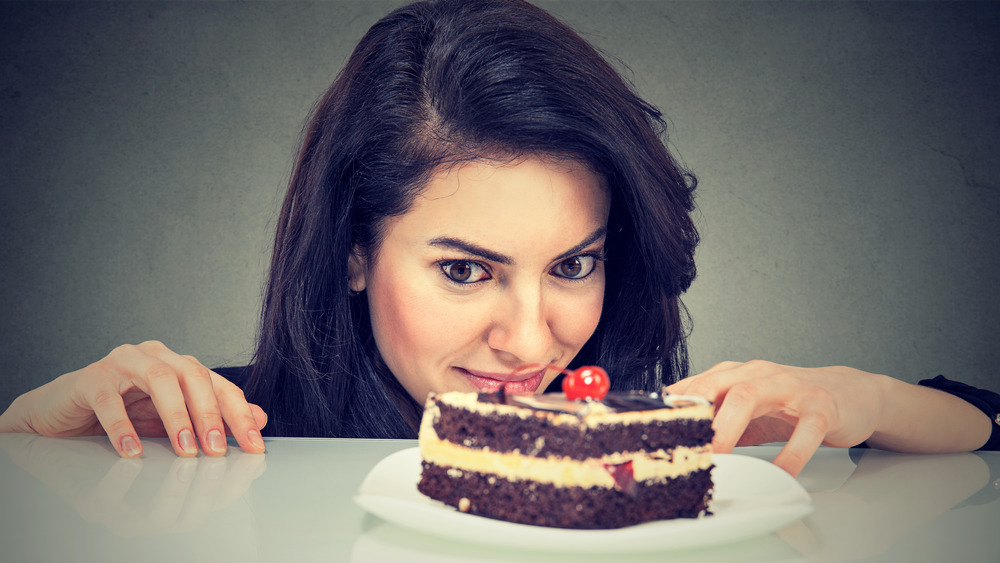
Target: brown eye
(575, 268)
(459, 271)
(464, 272)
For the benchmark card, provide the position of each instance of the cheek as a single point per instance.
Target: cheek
(403, 326)
(416, 333)
(402, 336)
(577, 319)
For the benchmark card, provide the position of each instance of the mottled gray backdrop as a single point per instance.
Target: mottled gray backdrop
(847, 156)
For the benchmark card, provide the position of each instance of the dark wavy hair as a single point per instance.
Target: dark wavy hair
(432, 84)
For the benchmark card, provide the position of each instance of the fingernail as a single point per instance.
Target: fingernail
(130, 446)
(216, 442)
(186, 441)
(255, 439)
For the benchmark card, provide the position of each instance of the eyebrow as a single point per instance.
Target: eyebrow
(487, 254)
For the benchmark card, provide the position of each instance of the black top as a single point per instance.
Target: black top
(237, 375)
(983, 399)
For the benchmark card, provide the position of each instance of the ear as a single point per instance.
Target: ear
(356, 271)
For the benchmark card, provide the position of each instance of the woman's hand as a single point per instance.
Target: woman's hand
(142, 390)
(758, 402)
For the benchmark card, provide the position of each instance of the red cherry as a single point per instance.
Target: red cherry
(586, 381)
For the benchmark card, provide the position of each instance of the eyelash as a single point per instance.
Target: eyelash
(597, 258)
(445, 264)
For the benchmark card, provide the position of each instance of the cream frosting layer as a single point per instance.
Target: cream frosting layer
(560, 471)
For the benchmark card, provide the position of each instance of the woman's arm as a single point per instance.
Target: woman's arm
(759, 402)
(918, 419)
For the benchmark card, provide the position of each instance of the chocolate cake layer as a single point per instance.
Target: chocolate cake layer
(541, 504)
(539, 436)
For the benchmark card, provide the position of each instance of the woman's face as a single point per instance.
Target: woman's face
(493, 275)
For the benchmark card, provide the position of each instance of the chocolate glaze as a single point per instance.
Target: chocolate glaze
(631, 401)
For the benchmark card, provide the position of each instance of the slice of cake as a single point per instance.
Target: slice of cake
(549, 461)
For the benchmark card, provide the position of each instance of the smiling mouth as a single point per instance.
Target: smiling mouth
(513, 384)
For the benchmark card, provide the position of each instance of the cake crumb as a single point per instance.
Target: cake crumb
(463, 505)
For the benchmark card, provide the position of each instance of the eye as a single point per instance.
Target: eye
(464, 271)
(575, 268)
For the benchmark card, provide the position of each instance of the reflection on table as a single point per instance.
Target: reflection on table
(74, 499)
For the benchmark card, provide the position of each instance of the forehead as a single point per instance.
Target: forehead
(528, 193)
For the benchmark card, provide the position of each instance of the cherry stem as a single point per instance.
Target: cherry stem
(565, 371)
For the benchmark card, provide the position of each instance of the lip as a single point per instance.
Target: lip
(513, 383)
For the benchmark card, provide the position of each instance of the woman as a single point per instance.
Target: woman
(479, 196)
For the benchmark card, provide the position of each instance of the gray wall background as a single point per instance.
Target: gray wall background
(847, 154)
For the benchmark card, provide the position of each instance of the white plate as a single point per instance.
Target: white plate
(752, 497)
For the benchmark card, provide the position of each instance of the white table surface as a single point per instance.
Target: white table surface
(73, 499)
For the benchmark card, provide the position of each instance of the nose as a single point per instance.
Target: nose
(521, 328)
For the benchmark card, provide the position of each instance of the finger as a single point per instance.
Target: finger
(747, 398)
(243, 419)
(195, 382)
(720, 367)
(105, 400)
(732, 416)
(159, 380)
(144, 417)
(678, 388)
(807, 437)
(259, 416)
(717, 368)
(691, 387)
(710, 383)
